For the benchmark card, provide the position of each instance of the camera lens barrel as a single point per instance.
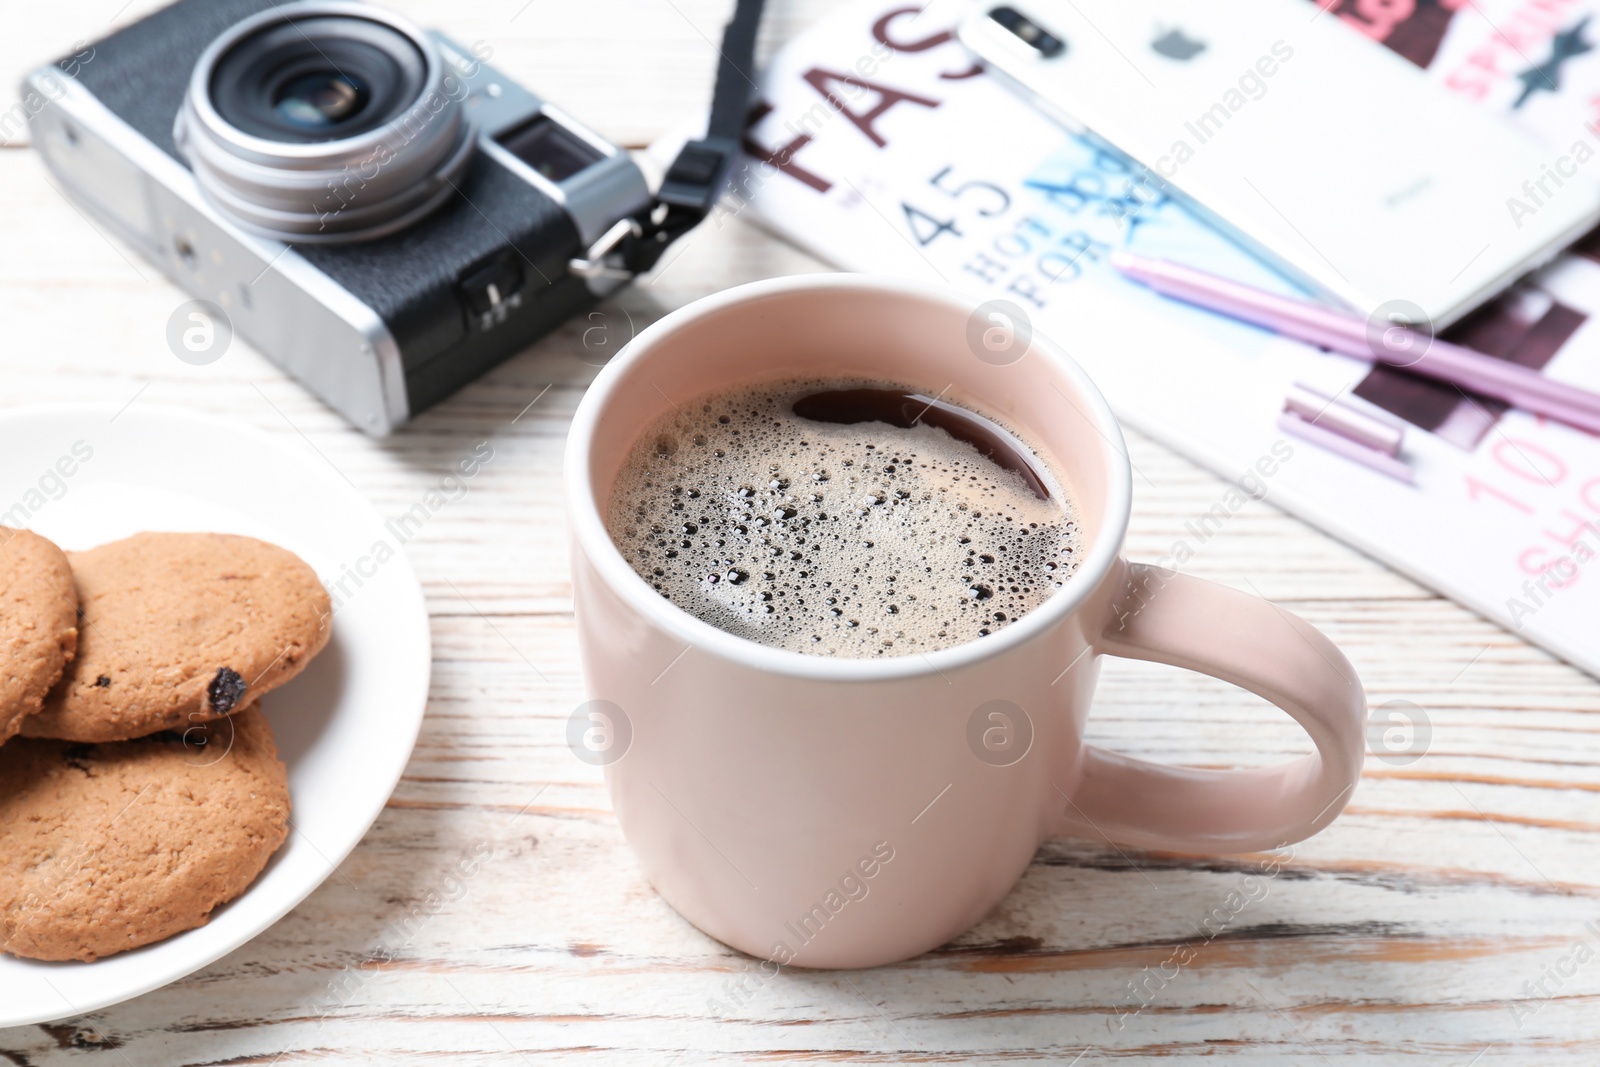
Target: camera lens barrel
(320, 122)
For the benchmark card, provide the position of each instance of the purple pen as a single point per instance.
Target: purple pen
(1344, 419)
(1397, 346)
(1345, 430)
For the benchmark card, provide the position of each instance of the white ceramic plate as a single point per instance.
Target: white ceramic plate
(345, 727)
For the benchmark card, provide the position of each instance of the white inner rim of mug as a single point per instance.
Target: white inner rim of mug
(585, 510)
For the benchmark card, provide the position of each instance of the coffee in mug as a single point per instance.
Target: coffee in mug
(844, 518)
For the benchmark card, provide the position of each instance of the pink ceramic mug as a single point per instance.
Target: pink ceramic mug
(845, 813)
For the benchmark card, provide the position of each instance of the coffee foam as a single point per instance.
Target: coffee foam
(840, 540)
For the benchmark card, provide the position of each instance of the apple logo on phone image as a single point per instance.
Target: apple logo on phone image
(1175, 44)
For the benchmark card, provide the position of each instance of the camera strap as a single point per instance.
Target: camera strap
(696, 180)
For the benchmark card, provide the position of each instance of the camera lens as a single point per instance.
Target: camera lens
(320, 122)
(317, 77)
(320, 100)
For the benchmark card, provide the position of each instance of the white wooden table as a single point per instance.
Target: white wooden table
(1443, 917)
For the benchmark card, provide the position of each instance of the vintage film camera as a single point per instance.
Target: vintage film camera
(372, 206)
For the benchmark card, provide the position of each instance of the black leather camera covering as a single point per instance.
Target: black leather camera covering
(141, 74)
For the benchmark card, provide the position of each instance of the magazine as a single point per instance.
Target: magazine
(878, 144)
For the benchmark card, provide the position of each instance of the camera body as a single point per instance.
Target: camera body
(382, 281)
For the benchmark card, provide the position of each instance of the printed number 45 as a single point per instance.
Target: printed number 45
(988, 199)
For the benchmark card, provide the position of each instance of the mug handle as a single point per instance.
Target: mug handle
(1167, 617)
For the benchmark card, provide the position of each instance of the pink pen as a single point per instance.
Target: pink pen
(1395, 345)
(1346, 430)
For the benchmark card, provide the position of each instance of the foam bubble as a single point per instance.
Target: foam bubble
(841, 540)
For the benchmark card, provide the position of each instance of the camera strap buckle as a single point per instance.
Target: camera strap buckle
(605, 258)
(696, 180)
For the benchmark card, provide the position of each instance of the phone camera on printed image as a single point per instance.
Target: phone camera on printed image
(1030, 32)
